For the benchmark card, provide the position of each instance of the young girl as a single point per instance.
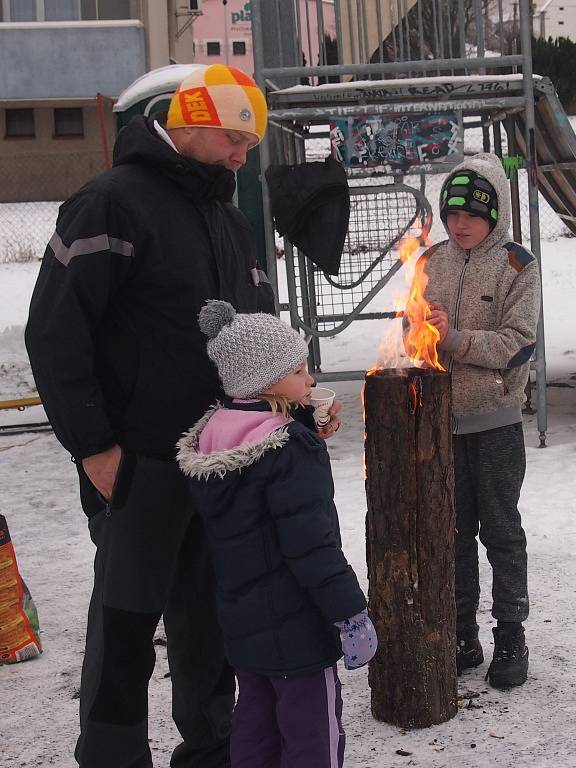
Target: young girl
(289, 604)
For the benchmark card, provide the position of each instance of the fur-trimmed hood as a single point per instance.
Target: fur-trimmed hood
(198, 465)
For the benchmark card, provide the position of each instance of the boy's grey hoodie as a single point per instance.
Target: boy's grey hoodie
(492, 296)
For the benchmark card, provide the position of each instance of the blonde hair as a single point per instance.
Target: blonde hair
(280, 403)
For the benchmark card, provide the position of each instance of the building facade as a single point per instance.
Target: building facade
(63, 64)
(555, 18)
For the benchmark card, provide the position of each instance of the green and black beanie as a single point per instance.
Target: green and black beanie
(470, 192)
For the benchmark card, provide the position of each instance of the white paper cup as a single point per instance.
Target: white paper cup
(322, 399)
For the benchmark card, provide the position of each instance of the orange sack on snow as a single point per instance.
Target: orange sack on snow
(19, 627)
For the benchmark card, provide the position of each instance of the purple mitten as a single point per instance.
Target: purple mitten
(359, 640)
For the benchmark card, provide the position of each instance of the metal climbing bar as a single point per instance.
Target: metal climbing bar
(324, 63)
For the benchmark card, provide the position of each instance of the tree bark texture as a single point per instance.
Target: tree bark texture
(410, 545)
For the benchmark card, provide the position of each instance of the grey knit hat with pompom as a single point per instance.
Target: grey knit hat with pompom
(252, 352)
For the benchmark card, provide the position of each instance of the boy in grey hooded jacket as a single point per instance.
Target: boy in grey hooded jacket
(484, 292)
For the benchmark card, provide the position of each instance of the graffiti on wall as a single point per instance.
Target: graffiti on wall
(397, 140)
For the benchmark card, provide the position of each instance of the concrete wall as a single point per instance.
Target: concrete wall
(49, 168)
(156, 21)
(70, 59)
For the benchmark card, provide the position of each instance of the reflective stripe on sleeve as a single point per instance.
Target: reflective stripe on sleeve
(88, 245)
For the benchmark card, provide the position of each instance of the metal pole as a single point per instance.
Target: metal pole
(361, 39)
(501, 26)
(407, 28)
(498, 62)
(365, 34)
(532, 163)
(479, 21)
(380, 30)
(314, 114)
(400, 29)
(435, 25)
(514, 190)
(322, 54)
(258, 50)
(497, 134)
(441, 28)
(351, 32)
(461, 29)
(279, 35)
(298, 42)
(338, 17)
(226, 42)
(449, 28)
(393, 30)
(420, 29)
(308, 34)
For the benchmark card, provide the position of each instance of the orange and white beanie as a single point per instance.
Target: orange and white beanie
(217, 96)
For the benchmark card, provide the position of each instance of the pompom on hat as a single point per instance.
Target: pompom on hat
(218, 96)
(252, 352)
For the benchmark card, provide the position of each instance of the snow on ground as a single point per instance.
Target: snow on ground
(532, 727)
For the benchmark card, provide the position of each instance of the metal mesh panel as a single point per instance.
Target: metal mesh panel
(379, 218)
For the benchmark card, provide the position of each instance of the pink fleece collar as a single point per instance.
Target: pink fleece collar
(229, 428)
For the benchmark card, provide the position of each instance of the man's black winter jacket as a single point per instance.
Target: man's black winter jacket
(112, 335)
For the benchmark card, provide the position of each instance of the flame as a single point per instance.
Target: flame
(420, 341)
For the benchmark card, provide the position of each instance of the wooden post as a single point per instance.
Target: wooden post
(410, 545)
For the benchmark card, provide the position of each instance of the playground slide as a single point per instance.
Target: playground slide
(555, 150)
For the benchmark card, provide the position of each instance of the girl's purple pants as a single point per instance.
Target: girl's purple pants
(288, 722)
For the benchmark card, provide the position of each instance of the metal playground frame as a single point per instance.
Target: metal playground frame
(403, 58)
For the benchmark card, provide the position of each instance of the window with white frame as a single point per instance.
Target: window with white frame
(22, 10)
(213, 47)
(108, 10)
(40, 10)
(61, 10)
(68, 10)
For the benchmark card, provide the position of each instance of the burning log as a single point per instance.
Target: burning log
(410, 545)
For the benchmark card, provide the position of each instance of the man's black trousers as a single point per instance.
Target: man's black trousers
(489, 469)
(151, 560)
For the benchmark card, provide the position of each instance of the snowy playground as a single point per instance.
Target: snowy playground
(531, 727)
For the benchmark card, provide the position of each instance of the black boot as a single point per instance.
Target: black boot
(509, 666)
(468, 649)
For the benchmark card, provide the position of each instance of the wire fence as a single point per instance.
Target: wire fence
(26, 227)
(32, 187)
(551, 225)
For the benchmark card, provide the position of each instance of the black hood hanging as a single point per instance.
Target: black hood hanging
(311, 205)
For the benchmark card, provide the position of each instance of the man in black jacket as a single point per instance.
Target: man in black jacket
(122, 369)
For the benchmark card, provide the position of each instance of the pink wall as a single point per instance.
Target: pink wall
(236, 18)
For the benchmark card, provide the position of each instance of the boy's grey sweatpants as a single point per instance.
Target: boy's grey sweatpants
(489, 469)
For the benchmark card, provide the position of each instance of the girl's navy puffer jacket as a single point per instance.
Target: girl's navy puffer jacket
(282, 577)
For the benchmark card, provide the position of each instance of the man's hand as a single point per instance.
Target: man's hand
(439, 320)
(334, 424)
(102, 469)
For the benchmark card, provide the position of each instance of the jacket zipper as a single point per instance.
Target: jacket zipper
(459, 301)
